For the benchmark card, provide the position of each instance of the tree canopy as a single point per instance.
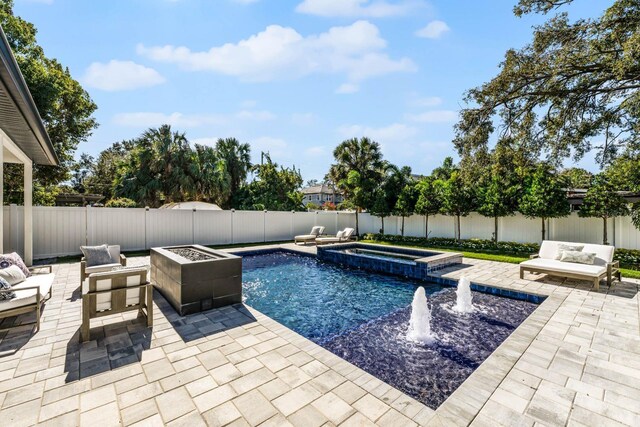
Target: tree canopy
(577, 80)
(603, 201)
(65, 107)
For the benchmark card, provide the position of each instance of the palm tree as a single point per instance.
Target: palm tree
(357, 171)
(237, 161)
(213, 181)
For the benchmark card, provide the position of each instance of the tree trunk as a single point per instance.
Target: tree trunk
(426, 227)
(357, 231)
(543, 230)
(382, 224)
(458, 227)
(402, 228)
(604, 232)
(495, 231)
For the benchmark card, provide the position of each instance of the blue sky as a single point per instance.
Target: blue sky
(294, 78)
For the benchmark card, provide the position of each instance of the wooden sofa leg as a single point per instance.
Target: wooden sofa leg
(521, 273)
(596, 283)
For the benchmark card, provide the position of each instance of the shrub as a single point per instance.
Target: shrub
(122, 202)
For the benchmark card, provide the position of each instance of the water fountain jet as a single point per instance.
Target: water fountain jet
(420, 323)
(464, 298)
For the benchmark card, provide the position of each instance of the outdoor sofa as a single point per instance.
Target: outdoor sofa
(342, 236)
(316, 231)
(548, 261)
(30, 294)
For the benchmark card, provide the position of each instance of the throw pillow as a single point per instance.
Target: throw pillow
(578, 257)
(562, 247)
(13, 258)
(12, 275)
(5, 286)
(97, 255)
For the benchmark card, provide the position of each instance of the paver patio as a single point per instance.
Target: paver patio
(574, 361)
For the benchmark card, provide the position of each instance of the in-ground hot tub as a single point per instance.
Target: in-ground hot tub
(195, 278)
(407, 262)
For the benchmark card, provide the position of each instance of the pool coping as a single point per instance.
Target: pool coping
(468, 400)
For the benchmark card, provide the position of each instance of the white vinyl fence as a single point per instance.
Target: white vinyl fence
(59, 231)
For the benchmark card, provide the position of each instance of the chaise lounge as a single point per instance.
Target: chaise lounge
(574, 260)
(316, 231)
(342, 236)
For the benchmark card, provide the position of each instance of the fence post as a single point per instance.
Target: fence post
(146, 227)
(292, 223)
(337, 221)
(233, 211)
(264, 226)
(193, 226)
(13, 231)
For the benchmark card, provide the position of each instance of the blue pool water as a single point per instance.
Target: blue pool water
(363, 317)
(319, 300)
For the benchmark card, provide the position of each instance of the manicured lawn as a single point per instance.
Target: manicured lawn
(502, 257)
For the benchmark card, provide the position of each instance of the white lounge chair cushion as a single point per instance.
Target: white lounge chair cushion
(306, 237)
(565, 267)
(101, 268)
(327, 239)
(28, 296)
(604, 253)
(103, 301)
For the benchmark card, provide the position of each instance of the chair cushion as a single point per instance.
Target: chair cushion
(340, 234)
(604, 253)
(565, 267)
(316, 230)
(97, 255)
(327, 239)
(305, 237)
(578, 257)
(13, 258)
(101, 268)
(6, 286)
(12, 274)
(28, 296)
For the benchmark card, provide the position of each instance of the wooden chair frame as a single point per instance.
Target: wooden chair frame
(83, 266)
(613, 270)
(118, 293)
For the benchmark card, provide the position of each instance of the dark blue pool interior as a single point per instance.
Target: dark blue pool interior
(363, 316)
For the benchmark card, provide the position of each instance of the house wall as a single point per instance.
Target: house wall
(59, 231)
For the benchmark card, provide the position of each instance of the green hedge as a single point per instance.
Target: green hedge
(629, 258)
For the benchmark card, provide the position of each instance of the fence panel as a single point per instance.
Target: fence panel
(303, 222)
(122, 226)
(476, 226)
(627, 235)
(346, 219)
(248, 226)
(329, 220)
(166, 227)
(369, 223)
(413, 226)
(212, 227)
(442, 226)
(277, 226)
(520, 229)
(575, 229)
(58, 231)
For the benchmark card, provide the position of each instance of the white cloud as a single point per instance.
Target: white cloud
(315, 151)
(356, 50)
(356, 8)
(436, 116)
(347, 88)
(204, 141)
(277, 148)
(150, 119)
(121, 75)
(259, 116)
(388, 134)
(433, 30)
(429, 101)
(303, 119)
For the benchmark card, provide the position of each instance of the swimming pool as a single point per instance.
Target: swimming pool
(319, 299)
(363, 317)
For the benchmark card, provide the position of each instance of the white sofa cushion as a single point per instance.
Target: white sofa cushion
(565, 267)
(101, 268)
(604, 253)
(28, 296)
(13, 275)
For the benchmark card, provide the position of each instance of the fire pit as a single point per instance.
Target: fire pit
(195, 278)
